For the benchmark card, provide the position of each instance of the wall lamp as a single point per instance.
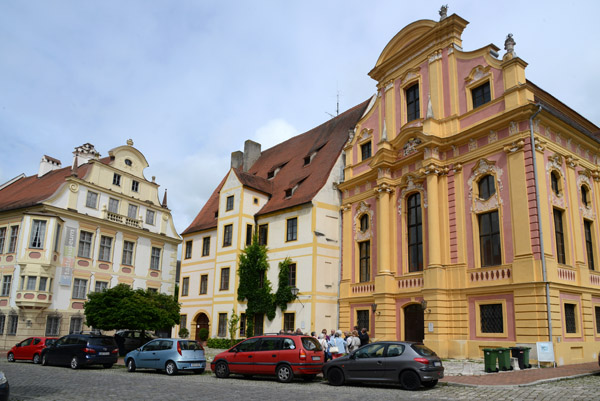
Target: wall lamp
(374, 309)
(424, 306)
(295, 291)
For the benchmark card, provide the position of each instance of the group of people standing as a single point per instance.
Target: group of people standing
(338, 344)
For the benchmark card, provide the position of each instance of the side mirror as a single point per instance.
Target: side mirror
(353, 355)
(17, 344)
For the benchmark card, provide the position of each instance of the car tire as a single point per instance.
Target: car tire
(10, 357)
(199, 371)
(430, 384)
(171, 368)
(45, 360)
(36, 359)
(221, 370)
(131, 365)
(107, 365)
(74, 363)
(410, 380)
(335, 377)
(309, 378)
(284, 373)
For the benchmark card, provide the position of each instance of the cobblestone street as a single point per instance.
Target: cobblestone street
(36, 382)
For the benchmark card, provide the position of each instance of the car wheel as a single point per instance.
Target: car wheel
(131, 365)
(284, 373)
(74, 363)
(171, 368)
(107, 365)
(430, 384)
(199, 371)
(36, 358)
(335, 377)
(309, 378)
(45, 360)
(10, 357)
(410, 380)
(221, 370)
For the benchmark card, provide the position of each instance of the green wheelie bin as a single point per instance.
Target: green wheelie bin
(526, 357)
(490, 357)
(504, 359)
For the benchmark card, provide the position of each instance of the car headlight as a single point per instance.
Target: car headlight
(3, 378)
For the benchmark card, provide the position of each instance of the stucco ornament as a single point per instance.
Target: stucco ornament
(412, 185)
(485, 167)
(350, 135)
(365, 133)
(586, 210)
(513, 128)
(492, 136)
(384, 137)
(509, 46)
(410, 147)
(472, 144)
(555, 164)
(443, 12)
(362, 209)
(477, 73)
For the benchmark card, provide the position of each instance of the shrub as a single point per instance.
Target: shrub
(203, 333)
(220, 343)
(183, 333)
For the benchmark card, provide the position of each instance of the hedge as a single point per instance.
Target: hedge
(221, 343)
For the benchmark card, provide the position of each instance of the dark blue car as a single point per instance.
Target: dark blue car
(76, 350)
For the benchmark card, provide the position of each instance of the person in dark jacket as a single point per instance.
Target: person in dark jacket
(364, 337)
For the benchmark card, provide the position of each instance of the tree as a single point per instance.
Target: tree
(121, 307)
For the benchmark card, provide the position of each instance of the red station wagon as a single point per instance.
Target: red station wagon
(29, 349)
(284, 356)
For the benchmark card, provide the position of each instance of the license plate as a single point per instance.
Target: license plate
(437, 364)
(316, 358)
(103, 353)
(195, 365)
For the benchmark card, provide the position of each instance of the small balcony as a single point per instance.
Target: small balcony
(128, 221)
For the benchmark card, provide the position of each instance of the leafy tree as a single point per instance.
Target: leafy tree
(233, 326)
(121, 307)
(284, 295)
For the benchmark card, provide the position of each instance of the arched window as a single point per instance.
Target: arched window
(585, 199)
(554, 182)
(364, 222)
(415, 233)
(487, 187)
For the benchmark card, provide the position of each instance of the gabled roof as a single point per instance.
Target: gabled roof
(286, 162)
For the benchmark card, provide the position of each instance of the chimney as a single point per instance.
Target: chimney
(47, 164)
(251, 153)
(84, 154)
(237, 159)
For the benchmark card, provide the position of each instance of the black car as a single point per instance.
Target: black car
(407, 363)
(128, 340)
(4, 387)
(76, 350)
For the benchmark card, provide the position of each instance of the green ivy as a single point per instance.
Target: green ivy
(284, 296)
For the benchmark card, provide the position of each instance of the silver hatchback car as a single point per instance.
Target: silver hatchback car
(168, 354)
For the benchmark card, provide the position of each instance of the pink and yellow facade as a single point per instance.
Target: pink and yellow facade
(455, 231)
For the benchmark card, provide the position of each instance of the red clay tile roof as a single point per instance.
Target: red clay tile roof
(327, 140)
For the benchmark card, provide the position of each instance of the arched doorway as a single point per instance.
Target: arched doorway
(414, 323)
(201, 323)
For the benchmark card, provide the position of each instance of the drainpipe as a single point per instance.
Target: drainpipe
(539, 216)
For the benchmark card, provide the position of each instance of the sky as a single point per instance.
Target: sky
(190, 80)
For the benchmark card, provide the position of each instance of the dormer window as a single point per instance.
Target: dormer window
(365, 150)
(270, 174)
(307, 160)
(289, 192)
(412, 103)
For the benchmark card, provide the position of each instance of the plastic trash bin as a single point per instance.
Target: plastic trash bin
(504, 359)
(526, 357)
(522, 355)
(490, 357)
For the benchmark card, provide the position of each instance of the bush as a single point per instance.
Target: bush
(203, 333)
(183, 333)
(221, 343)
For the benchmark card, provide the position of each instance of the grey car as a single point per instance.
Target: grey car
(168, 354)
(407, 363)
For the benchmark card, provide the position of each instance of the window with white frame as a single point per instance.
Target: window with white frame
(100, 286)
(188, 249)
(105, 248)
(85, 244)
(38, 230)
(113, 205)
(76, 325)
(222, 325)
(203, 284)
(127, 253)
(91, 200)
(57, 238)
(14, 235)
(42, 284)
(227, 235)
(229, 203)
(6, 282)
(292, 229)
(2, 323)
(132, 211)
(185, 286)
(224, 279)
(13, 322)
(150, 217)
(135, 186)
(155, 259)
(79, 288)
(205, 246)
(31, 282)
(52, 326)
(117, 179)
(2, 238)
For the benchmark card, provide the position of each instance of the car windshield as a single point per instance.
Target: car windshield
(423, 350)
(190, 345)
(105, 341)
(311, 344)
(50, 341)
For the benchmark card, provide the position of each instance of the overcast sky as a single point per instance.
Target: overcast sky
(190, 81)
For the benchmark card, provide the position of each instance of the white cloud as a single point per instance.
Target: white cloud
(274, 132)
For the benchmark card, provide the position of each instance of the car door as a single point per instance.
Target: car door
(23, 349)
(146, 357)
(395, 361)
(267, 355)
(367, 364)
(242, 358)
(164, 353)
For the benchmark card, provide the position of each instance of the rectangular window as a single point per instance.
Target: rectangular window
(263, 233)
(365, 150)
(365, 261)
(85, 244)
(76, 325)
(135, 186)
(227, 234)
(229, 203)
(31, 282)
(203, 284)
(597, 311)
(292, 229)
(91, 200)
(288, 321)
(248, 234)
(117, 179)
(222, 325)
(132, 211)
(589, 245)
(205, 246)
(127, 253)
(559, 236)
(100, 286)
(2, 238)
(14, 235)
(489, 239)
(258, 325)
(491, 318)
(415, 233)
(242, 325)
(6, 282)
(183, 321)
(224, 279)
(155, 259)
(362, 319)
(188, 249)
(292, 275)
(13, 322)
(150, 217)
(43, 282)
(52, 326)
(38, 230)
(185, 286)
(481, 94)
(2, 323)
(412, 103)
(105, 248)
(79, 288)
(570, 319)
(57, 238)
(113, 205)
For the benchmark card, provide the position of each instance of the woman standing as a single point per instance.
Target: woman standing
(337, 345)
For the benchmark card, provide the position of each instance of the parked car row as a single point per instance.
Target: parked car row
(284, 356)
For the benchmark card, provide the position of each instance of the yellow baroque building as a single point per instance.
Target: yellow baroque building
(456, 230)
